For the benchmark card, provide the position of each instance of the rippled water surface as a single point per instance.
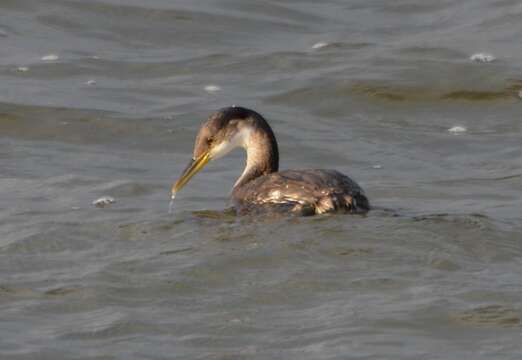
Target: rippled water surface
(103, 98)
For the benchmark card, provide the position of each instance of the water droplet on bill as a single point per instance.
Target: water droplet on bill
(171, 203)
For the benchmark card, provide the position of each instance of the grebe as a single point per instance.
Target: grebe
(262, 187)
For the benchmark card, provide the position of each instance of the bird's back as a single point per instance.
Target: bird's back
(306, 192)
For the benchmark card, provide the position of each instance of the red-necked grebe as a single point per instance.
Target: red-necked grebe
(261, 186)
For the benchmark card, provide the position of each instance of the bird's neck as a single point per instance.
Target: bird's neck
(262, 154)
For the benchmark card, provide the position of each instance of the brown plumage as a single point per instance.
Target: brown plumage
(262, 187)
(308, 192)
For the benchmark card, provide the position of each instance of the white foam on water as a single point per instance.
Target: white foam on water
(104, 201)
(457, 130)
(90, 82)
(482, 57)
(50, 57)
(319, 45)
(22, 69)
(377, 166)
(212, 88)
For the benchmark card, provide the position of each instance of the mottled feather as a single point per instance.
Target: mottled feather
(307, 192)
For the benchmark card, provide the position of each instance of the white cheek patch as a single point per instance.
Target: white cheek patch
(222, 149)
(239, 140)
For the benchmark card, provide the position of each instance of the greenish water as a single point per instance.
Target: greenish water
(366, 87)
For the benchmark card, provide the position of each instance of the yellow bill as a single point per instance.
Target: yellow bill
(191, 170)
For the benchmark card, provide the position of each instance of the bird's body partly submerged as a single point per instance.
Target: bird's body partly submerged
(262, 187)
(305, 192)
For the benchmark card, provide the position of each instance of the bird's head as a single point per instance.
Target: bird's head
(223, 131)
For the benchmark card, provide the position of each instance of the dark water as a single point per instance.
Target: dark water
(367, 87)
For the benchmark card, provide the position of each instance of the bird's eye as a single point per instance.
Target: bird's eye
(210, 140)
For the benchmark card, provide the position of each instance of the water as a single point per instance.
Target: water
(370, 88)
